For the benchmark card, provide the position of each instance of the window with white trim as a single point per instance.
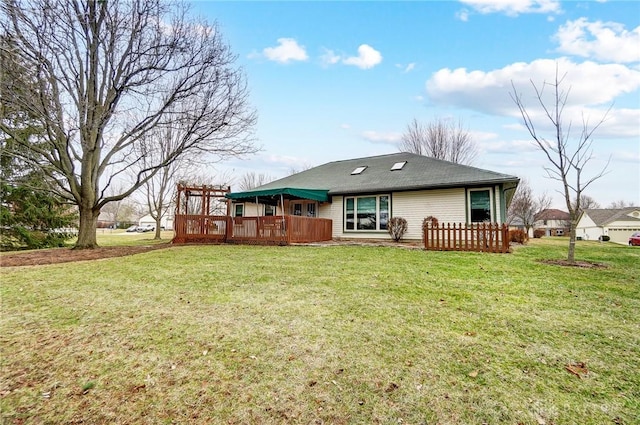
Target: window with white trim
(311, 210)
(480, 206)
(238, 210)
(366, 213)
(269, 210)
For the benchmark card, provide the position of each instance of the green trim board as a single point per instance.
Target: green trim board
(273, 195)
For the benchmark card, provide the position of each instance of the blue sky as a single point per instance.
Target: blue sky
(341, 80)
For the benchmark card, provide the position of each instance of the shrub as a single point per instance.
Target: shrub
(538, 233)
(518, 236)
(428, 221)
(396, 227)
(604, 238)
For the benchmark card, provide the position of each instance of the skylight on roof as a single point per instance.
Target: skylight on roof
(358, 170)
(398, 166)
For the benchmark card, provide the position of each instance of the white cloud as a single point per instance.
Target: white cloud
(593, 88)
(463, 15)
(329, 57)
(606, 41)
(489, 91)
(513, 147)
(406, 68)
(345, 126)
(287, 50)
(626, 156)
(378, 137)
(511, 7)
(367, 58)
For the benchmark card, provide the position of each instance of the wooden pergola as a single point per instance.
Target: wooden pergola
(192, 198)
(201, 214)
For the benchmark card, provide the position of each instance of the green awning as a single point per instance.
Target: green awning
(267, 195)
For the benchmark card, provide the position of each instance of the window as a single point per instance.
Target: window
(311, 210)
(305, 208)
(358, 170)
(366, 212)
(384, 212)
(238, 210)
(349, 220)
(398, 166)
(480, 206)
(269, 210)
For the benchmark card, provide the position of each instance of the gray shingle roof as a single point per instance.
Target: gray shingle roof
(420, 172)
(602, 217)
(552, 214)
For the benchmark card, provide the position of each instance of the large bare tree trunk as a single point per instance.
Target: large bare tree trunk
(87, 229)
(158, 228)
(571, 256)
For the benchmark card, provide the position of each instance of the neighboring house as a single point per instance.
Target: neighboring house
(553, 222)
(618, 224)
(360, 195)
(166, 222)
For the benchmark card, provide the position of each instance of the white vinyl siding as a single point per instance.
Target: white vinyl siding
(498, 218)
(447, 205)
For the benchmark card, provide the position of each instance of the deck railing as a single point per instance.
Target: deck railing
(484, 237)
(277, 230)
(194, 228)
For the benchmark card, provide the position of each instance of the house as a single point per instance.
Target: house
(360, 195)
(166, 222)
(618, 224)
(553, 222)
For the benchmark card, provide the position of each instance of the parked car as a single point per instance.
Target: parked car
(146, 228)
(634, 240)
(132, 228)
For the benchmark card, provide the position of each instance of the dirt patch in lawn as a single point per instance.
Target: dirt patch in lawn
(66, 255)
(581, 264)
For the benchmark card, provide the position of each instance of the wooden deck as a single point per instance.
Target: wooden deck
(272, 230)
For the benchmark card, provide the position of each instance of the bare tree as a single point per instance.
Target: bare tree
(440, 139)
(251, 180)
(159, 190)
(525, 205)
(568, 155)
(586, 203)
(113, 208)
(300, 168)
(620, 204)
(98, 76)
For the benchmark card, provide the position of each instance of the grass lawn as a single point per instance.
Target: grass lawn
(119, 237)
(334, 335)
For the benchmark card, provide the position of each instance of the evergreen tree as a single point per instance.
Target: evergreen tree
(31, 215)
